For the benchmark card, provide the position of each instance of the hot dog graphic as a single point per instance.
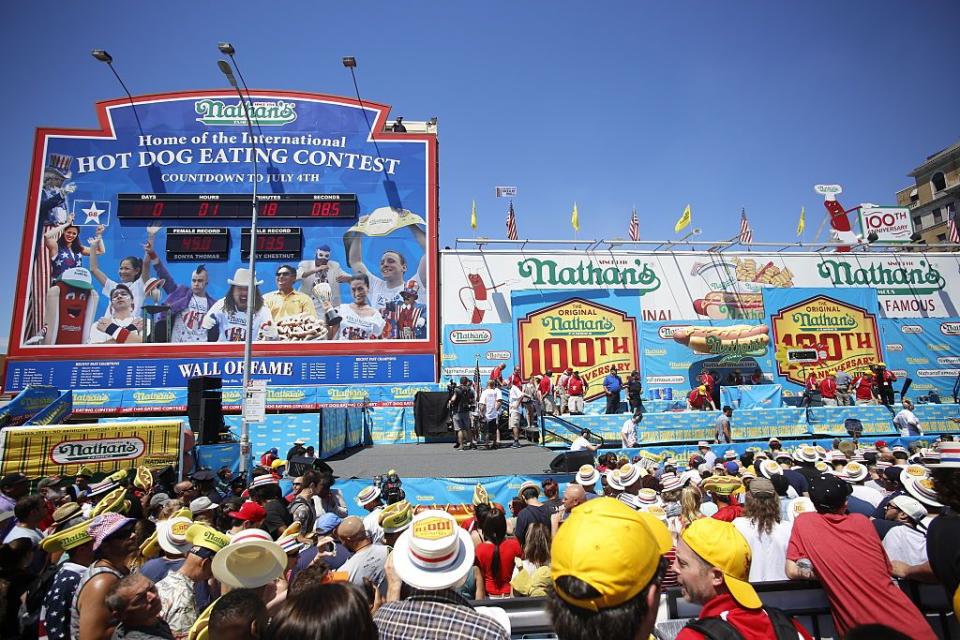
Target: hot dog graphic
(741, 339)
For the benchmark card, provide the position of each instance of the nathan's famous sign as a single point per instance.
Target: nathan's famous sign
(846, 336)
(136, 239)
(583, 335)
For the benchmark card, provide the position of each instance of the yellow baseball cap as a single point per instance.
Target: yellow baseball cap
(276, 464)
(722, 546)
(200, 535)
(596, 533)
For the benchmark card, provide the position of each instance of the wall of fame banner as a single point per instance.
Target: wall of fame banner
(136, 238)
(686, 285)
(926, 350)
(841, 325)
(39, 451)
(675, 353)
(588, 330)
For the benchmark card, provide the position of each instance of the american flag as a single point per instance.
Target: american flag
(634, 226)
(952, 224)
(746, 233)
(512, 224)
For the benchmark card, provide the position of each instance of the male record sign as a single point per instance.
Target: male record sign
(174, 202)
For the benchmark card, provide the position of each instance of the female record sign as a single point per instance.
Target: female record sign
(578, 333)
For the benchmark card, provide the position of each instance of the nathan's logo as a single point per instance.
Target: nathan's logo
(913, 329)
(898, 278)
(153, 397)
(894, 346)
(950, 328)
(666, 332)
(498, 355)
(95, 451)
(548, 272)
(470, 336)
(267, 113)
(91, 398)
(348, 394)
(845, 335)
(586, 336)
(285, 395)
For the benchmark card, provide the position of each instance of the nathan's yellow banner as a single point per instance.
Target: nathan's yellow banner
(576, 333)
(103, 447)
(844, 336)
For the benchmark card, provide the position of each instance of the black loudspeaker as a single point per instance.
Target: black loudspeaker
(205, 408)
(298, 465)
(571, 461)
(430, 413)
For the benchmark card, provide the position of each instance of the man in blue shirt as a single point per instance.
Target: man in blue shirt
(611, 387)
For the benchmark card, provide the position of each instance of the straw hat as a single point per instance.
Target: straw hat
(629, 474)
(916, 480)
(806, 453)
(251, 560)
(854, 472)
(613, 479)
(368, 495)
(587, 476)
(434, 553)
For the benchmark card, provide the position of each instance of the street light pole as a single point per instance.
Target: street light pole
(251, 283)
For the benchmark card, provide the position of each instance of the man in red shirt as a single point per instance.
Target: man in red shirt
(844, 552)
(497, 374)
(699, 399)
(712, 566)
(828, 389)
(515, 378)
(545, 389)
(863, 389)
(575, 388)
(725, 491)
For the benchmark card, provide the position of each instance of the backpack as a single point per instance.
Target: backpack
(719, 629)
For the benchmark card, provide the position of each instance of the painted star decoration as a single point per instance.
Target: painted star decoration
(92, 213)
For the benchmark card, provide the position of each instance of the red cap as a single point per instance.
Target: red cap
(250, 512)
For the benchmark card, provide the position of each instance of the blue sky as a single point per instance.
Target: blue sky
(616, 104)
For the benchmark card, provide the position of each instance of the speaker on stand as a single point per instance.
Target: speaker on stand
(570, 461)
(205, 408)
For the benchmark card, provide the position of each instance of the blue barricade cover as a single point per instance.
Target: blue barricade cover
(758, 396)
(279, 430)
(56, 412)
(27, 404)
(217, 456)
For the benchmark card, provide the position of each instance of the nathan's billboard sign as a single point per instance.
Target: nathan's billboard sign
(689, 286)
(581, 334)
(844, 335)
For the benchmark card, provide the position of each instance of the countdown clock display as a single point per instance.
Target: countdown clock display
(226, 206)
(273, 243)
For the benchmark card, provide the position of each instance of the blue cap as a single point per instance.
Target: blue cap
(326, 523)
(274, 450)
(732, 467)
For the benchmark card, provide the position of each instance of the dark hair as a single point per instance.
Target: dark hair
(530, 493)
(26, 505)
(230, 307)
(495, 531)
(115, 602)
(336, 610)
(403, 260)
(550, 488)
(536, 546)
(574, 623)
(137, 264)
(946, 482)
(309, 578)
(361, 276)
(286, 267)
(239, 604)
(76, 245)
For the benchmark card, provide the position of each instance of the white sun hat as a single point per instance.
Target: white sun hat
(434, 553)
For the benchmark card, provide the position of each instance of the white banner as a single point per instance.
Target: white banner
(506, 192)
(696, 286)
(891, 224)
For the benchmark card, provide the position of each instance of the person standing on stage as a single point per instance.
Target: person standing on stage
(460, 404)
(576, 386)
(545, 390)
(611, 388)
(488, 407)
(635, 393)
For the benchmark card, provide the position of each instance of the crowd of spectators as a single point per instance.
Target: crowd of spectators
(140, 555)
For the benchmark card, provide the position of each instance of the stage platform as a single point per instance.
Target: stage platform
(440, 460)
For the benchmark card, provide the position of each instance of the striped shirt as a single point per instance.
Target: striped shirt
(435, 615)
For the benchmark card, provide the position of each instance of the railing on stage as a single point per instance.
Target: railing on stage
(806, 601)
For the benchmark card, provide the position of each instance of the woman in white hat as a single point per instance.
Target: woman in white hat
(227, 318)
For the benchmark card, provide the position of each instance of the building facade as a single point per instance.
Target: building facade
(935, 196)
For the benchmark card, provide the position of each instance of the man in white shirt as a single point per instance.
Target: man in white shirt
(907, 543)
(906, 421)
(628, 432)
(709, 457)
(516, 396)
(488, 407)
(581, 443)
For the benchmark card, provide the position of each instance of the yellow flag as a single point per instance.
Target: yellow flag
(473, 215)
(802, 223)
(684, 220)
(575, 218)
